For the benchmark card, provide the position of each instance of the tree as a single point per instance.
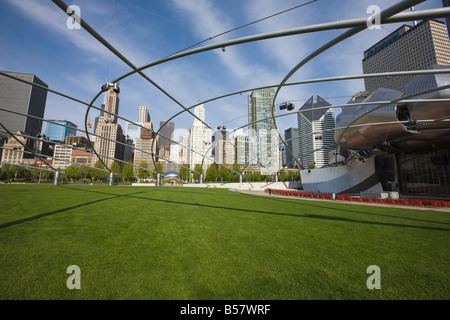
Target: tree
(197, 168)
(225, 173)
(159, 169)
(184, 172)
(83, 172)
(48, 175)
(211, 173)
(3, 173)
(72, 172)
(20, 172)
(98, 174)
(128, 172)
(25, 173)
(256, 176)
(117, 169)
(236, 167)
(142, 172)
(34, 172)
(297, 176)
(283, 176)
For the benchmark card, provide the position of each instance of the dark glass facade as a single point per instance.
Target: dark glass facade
(425, 173)
(23, 98)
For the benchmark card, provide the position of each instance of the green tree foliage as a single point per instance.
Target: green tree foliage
(83, 173)
(71, 173)
(184, 172)
(128, 172)
(48, 175)
(296, 176)
(225, 174)
(253, 176)
(197, 168)
(97, 174)
(283, 176)
(159, 169)
(142, 173)
(34, 173)
(20, 173)
(7, 172)
(236, 167)
(117, 169)
(211, 173)
(11, 172)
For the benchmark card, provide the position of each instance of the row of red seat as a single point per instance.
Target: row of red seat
(328, 196)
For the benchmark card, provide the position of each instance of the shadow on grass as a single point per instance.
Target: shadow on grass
(42, 215)
(306, 202)
(193, 190)
(310, 216)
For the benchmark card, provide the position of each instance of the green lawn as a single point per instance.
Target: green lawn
(190, 243)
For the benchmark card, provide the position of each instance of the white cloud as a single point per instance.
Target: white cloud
(53, 19)
(205, 75)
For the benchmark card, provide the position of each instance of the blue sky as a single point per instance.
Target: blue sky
(35, 39)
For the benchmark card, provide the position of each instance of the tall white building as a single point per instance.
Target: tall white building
(246, 148)
(199, 140)
(143, 115)
(175, 153)
(184, 148)
(316, 132)
(239, 142)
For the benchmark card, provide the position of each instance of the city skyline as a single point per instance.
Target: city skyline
(111, 105)
(239, 67)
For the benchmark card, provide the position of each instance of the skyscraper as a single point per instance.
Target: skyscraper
(246, 149)
(262, 126)
(291, 137)
(96, 118)
(112, 103)
(164, 144)
(406, 49)
(199, 140)
(143, 152)
(184, 148)
(56, 132)
(110, 147)
(143, 115)
(24, 98)
(446, 3)
(223, 149)
(316, 132)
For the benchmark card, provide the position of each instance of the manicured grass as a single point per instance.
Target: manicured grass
(191, 243)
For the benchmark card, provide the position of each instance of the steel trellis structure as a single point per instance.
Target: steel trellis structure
(388, 16)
